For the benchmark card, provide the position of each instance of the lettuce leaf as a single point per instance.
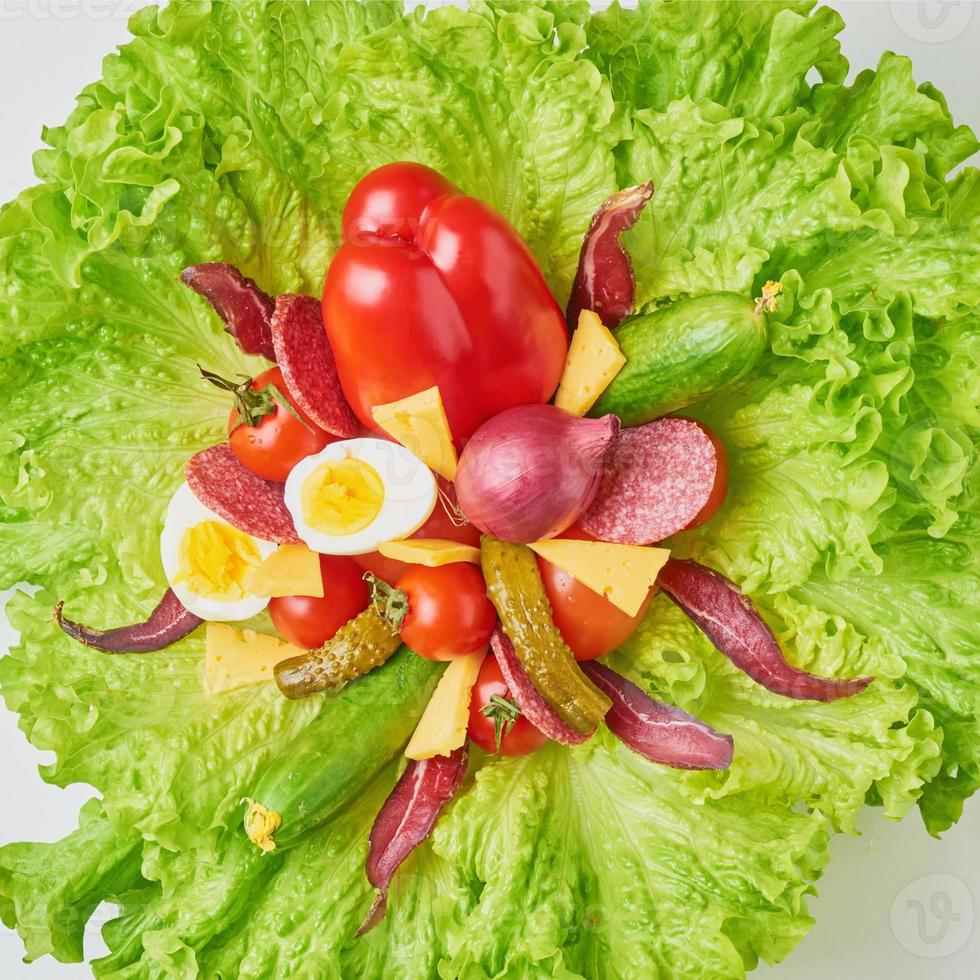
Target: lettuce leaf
(234, 131)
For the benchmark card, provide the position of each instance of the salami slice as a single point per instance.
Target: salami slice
(533, 706)
(168, 623)
(604, 279)
(307, 364)
(245, 309)
(245, 501)
(657, 731)
(406, 819)
(656, 479)
(733, 624)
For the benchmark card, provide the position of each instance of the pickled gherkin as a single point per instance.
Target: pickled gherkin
(359, 646)
(515, 588)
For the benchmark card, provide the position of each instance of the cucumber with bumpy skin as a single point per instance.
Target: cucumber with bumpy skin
(515, 588)
(357, 648)
(339, 752)
(683, 353)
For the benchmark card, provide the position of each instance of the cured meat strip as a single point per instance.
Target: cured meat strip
(245, 501)
(656, 479)
(168, 623)
(245, 309)
(604, 280)
(307, 364)
(407, 818)
(657, 731)
(733, 624)
(533, 706)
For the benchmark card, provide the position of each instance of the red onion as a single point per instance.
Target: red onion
(530, 471)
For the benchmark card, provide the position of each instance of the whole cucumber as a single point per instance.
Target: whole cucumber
(341, 750)
(682, 353)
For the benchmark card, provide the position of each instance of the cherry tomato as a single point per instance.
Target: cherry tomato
(278, 441)
(439, 525)
(720, 489)
(307, 621)
(517, 737)
(449, 613)
(591, 625)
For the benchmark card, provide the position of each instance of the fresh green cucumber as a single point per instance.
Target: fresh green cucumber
(682, 353)
(341, 750)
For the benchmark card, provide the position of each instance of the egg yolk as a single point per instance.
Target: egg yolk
(215, 560)
(342, 496)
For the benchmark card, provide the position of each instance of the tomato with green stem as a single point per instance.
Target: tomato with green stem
(267, 431)
(309, 621)
(449, 614)
(441, 612)
(589, 623)
(496, 723)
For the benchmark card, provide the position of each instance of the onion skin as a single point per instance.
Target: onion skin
(529, 472)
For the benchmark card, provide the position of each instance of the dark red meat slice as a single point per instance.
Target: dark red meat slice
(307, 364)
(407, 818)
(533, 706)
(245, 309)
(168, 623)
(656, 479)
(657, 731)
(604, 280)
(245, 501)
(735, 627)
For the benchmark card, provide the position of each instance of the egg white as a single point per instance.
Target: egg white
(185, 511)
(410, 494)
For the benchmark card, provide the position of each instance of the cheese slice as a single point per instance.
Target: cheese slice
(430, 552)
(623, 573)
(442, 727)
(236, 658)
(419, 423)
(594, 359)
(292, 569)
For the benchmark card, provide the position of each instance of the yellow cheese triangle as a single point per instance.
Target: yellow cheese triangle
(292, 569)
(442, 727)
(594, 359)
(430, 552)
(419, 423)
(235, 658)
(623, 573)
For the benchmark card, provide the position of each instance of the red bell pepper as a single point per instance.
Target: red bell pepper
(431, 287)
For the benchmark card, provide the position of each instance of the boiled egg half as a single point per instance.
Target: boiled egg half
(352, 495)
(207, 561)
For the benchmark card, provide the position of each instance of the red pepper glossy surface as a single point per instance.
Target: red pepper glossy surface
(431, 287)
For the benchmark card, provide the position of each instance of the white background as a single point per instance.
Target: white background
(894, 903)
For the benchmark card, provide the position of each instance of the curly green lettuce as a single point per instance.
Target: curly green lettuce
(233, 132)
